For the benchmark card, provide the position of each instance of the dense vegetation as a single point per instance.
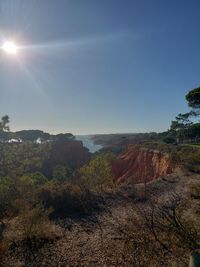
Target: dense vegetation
(46, 178)
(186, 128)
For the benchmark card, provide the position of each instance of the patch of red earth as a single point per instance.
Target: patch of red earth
(139, 165)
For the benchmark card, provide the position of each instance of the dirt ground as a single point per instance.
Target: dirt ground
(95, 240)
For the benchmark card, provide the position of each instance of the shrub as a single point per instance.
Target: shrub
(61, 173)
(31, 223)
(97, 174)
(195, 191)
(169, 140)
(190, 158)
(31, 227)
(68, 199)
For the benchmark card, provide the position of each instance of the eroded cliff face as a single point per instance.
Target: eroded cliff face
(139, 165)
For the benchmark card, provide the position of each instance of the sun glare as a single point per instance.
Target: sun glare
(10, 48)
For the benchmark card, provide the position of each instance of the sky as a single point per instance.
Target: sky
(98, 66)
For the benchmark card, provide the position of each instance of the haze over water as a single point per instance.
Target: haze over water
(88, 142)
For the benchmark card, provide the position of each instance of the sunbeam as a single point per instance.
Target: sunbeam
(56, 44)
(73, 43)
(32, 79)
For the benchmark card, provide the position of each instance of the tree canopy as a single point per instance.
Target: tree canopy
(193, 98)
(4, 123)
(185, 126)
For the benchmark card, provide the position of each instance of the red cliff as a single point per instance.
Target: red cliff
(139, 165)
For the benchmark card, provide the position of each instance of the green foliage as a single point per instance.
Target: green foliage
(8, 194)
(32, 223)
(70, 154)
(4, 123)
(62, 137)
(160, 146)
(29, 183)
(38, 178)
(193, 132)
(175, 125)
(189, 158)
(80, 194)
(31, 135)
(97, 174)
(61, 173)
(34, 135)
(193, 98)
(169, 140)
(183, 127)
(15, 189)
(67, 199)
(27, 190)
(17, 159)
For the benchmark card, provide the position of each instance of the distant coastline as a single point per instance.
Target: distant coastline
(88, 142)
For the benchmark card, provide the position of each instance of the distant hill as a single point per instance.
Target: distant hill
(34, 135)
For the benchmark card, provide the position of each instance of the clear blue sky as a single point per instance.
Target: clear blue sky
(98, 66)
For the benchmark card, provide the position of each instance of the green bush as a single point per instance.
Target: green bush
(61, 173)
(169, 140)
(190, 158)
(68, 199)
(97, 174)
(31, 223)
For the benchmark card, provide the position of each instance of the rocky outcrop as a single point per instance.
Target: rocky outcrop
(139, 165)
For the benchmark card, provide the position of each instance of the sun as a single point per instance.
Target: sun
(10, 48)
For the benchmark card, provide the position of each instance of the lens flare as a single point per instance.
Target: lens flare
(10, 48)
